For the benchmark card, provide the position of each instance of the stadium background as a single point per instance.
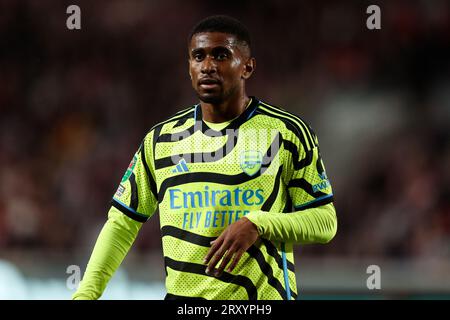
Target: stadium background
(75, 105)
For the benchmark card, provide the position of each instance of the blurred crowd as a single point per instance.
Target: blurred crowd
(75, 105)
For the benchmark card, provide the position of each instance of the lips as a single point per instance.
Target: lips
(208, 82)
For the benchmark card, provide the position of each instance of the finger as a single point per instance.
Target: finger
(215, 245)
(237, 257)
(216, 258)
(226, 259)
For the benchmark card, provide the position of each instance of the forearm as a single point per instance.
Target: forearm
(316, 225)
(113, 243)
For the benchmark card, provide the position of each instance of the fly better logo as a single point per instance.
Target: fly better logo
(181, 166)
(251, 162)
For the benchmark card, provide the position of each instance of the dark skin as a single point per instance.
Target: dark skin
(219, 65)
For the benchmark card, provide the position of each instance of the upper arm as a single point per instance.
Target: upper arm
(136, 195)
(306, 177)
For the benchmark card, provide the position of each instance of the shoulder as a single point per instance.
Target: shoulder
(293, 127)
(176, 120)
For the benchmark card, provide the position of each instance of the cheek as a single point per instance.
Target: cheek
(235, 65)
(193, 71)
(234, 70)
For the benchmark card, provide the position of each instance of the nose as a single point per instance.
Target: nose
(208, 66)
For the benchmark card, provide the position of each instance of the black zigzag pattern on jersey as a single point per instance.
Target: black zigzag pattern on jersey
(134, 202)
(170, 296)
(232, 131)
(205, 177)
(288, 206)
(175, 137)
(253, 251)
(156, 133)
(288, 124)
(305, 185)
(149, 174)
(267, 205)
(128, 212)
(193, 157)
(218, 177)
(267, 270)
(187, 236)
(180, 122)
(296, 121)
(270, 248)
(199, 125)
(294, 124)
(234, 124)
(316, 204)
(273, 149)
(187, 113)
(186, 133)
(298, 164)
(272, 251)
(200, 269)
(319, 166)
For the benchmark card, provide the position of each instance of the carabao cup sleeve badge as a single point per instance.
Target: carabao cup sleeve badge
(130, 169)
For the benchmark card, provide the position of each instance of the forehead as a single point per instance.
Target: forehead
(209, 40)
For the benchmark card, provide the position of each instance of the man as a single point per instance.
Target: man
(225, 174)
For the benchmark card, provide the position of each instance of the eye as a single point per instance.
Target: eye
(198, 57)
(222, 56)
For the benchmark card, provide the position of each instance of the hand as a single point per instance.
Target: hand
(231, 244)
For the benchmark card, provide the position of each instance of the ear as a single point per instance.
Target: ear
(249, 67)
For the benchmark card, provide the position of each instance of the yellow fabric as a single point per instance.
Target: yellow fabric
(113, 243)
(217, 126)
(220, 125)
(197, 200)
(315, 225)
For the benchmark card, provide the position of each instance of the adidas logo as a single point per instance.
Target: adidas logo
(181, 167)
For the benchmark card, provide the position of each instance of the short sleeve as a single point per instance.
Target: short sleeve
(308, 183)
(136, 194)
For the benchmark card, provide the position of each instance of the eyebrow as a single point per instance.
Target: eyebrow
(215, 49)
(221, 49)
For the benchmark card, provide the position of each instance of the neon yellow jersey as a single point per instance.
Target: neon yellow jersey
(202, 180)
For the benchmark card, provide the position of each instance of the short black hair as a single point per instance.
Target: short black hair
(224, 24)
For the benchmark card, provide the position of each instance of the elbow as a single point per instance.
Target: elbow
(329, 235)
(331, 229)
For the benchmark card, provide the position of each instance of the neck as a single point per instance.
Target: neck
(225, 110)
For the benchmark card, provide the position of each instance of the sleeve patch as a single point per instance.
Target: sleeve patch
(130, 169)
(120, 190)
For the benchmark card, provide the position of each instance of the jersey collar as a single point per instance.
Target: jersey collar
(234, 124)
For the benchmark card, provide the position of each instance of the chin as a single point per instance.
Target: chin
(212, 99)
